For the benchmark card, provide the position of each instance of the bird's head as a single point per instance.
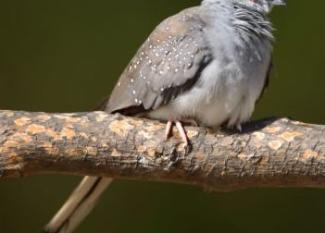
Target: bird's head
(264, 6)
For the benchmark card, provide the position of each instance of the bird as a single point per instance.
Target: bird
(208, 64)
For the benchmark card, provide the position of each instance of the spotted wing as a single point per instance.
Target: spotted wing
(168, 63)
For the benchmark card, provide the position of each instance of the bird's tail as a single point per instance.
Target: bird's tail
(78, 206)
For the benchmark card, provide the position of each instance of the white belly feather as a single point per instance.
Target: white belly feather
(223, 93)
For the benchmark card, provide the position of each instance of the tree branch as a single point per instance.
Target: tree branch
(272, 152)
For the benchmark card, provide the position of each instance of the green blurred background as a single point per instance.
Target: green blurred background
(64, 56)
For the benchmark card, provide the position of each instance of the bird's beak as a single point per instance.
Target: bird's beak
(279, 2)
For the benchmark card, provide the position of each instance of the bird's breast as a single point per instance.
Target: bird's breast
(228, 87)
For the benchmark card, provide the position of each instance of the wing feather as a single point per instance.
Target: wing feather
(167, 64)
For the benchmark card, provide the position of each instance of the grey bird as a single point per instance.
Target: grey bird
(208, 64)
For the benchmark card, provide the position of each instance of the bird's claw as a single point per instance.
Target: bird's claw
(181, 131)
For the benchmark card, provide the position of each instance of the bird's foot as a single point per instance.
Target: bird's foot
(169, 127)
(239, 127)
(234, 127)
(180, 129)
(182, 133)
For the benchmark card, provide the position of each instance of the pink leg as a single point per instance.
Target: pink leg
(169, 127)
(180, 128)
(182, 132)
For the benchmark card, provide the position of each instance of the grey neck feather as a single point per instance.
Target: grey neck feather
(252, 25)
(254, 30)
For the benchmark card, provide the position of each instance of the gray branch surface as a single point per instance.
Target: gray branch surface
(272, 152)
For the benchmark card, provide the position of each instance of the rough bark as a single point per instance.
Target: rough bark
(272, 152)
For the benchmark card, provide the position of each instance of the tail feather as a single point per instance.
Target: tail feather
(80, 203)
